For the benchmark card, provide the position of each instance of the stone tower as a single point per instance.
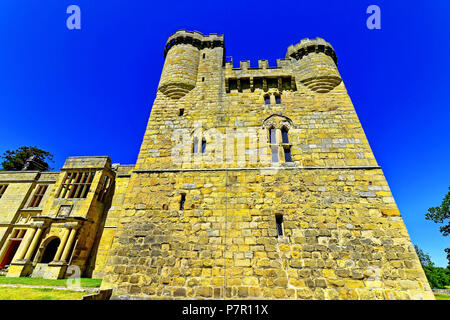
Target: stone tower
(258, 182)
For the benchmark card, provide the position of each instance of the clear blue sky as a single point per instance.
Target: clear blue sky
(89, 91)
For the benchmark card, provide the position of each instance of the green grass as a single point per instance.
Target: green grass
(84, 282)
(442, 297)
(7, 293)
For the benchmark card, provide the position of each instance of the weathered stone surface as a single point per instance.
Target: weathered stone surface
(210, 229)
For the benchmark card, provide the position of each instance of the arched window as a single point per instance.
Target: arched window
(277, 99)
(278, 137)
(284, 135)
(203, 145)
(273, 144)
(287, 154)
(286, 145)
(267, 99)
(195, 147)
(272, 135)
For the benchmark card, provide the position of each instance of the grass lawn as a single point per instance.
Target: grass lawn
(84, 282)
(442, 297)
(7, 293)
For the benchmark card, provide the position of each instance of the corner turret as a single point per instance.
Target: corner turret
(315, 64)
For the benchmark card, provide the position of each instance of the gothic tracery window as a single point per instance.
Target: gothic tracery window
(278, 137)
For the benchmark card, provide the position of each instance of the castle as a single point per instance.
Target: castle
(251, 183)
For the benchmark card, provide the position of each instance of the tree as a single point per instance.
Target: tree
(424, 258)
(15, 160)
(441, 214)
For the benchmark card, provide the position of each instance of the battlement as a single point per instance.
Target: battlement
(262, 64)
(195, 38)
(306, 46)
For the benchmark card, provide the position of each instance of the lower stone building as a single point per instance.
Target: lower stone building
(52, 220)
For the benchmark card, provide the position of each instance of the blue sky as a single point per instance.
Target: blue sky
(90, 91)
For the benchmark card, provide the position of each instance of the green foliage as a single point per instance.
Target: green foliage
(424, 258)
(14, 160)
(441, 214)
(438, 278)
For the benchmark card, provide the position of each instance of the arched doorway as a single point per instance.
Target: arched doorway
(50, 250)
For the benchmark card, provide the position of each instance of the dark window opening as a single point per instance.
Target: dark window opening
(37, 197)
(203, 79)
(76, 185)
(245, 84)
(286, 83)
(204, 56)
(284, 135)
(279, 221)
(267, 99)
(182, 201)
(232, 84)
(287, 155)
(181, 112)
(50, 250)
(277, 99)
(272, 83)
(3, 189)
(203, 145)
(258, 83)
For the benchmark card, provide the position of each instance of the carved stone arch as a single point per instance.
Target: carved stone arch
(277, 121)
(48, 249)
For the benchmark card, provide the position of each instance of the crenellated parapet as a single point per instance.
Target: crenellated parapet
(182, 57)
(315, 64)
(196, 39)
(263, 77)
(307, 46)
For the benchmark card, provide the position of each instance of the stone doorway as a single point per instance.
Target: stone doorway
(50, 250)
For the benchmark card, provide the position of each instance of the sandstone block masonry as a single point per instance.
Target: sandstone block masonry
(315, 221)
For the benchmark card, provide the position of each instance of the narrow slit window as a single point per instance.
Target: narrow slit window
(203, 145)
(204, 56)
(203, 79)
(279, 222)
(182, 201)
(181, 112)
(195, 147)
(3, 189)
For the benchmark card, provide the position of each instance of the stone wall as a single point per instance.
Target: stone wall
(208, 229)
